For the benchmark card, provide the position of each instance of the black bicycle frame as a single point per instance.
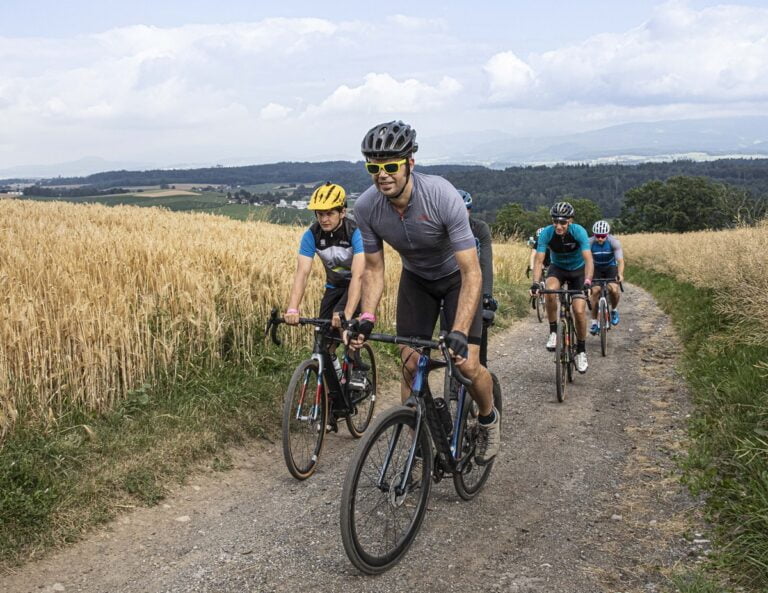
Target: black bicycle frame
(323, 338)
(426, 414)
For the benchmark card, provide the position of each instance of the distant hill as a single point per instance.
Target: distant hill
(694, 139)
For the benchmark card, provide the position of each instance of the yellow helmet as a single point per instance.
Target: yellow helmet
(327, 197)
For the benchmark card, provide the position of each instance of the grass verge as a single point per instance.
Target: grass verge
(57, 482)
(728, 460)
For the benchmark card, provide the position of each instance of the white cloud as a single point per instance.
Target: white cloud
(274, 111)
(381, 93)
(715, 55)
(509, 77)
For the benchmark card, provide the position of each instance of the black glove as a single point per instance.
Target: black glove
(359, 328)
(457, 342)
(587, 283)
(489, 303)
(535, 287)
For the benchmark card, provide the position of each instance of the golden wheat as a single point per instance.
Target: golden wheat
(98, 301)
(733, 262)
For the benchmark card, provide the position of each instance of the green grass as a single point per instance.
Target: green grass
(57, 482)
(728, 460)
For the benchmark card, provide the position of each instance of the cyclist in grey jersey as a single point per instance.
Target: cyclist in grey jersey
(424, 219)
(419, 232)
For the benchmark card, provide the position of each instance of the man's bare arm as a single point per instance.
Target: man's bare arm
(373, 281)
(355, 285)
(471, 285)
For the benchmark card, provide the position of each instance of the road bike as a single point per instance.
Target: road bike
(565, 350)
(604, 311)
(538, 303)
(388, 482)
(318, 396)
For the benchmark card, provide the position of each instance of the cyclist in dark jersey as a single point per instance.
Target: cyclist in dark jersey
(482, 233)
(609, 263)
(337, 241)
(534, 245)
(568, 244)
(424, 219)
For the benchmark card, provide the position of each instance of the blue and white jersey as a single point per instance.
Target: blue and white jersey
(565, 250)
(606, 254)
(335, 249)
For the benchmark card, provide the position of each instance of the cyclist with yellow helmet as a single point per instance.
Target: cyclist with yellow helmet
(338, 243)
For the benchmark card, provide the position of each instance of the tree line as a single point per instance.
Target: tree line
(679, 204)
(515, 200)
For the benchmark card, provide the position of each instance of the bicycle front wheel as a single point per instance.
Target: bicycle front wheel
(571, 350)
(540, 307)
(380, 518)
(363, 399)
(561, 359)
(604, 316)
(305, 413)
(472, 477)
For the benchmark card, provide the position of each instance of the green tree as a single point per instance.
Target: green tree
(510, 220)
(687, 204)
(587, 213)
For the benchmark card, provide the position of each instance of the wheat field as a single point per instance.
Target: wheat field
(97, 301)
(733, 262)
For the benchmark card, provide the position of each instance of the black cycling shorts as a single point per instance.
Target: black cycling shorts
(418, 306)
(606, 272)
(334, 300)
(573, 278)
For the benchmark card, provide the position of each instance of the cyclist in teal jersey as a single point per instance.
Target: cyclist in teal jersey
(571, 264)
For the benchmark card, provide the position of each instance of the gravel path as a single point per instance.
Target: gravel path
(583, 498)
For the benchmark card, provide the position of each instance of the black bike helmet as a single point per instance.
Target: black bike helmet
(562, 210)
(391, 139)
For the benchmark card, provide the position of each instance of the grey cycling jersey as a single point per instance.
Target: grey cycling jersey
(433, 227)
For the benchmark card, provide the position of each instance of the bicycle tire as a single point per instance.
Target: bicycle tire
(363, 403)
(371, 532)
(303, 427)
(561, 361)
(469, 488)
(539, 307)
(571, 351)
(604, 316)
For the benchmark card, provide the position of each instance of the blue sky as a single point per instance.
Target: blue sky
(233, 82)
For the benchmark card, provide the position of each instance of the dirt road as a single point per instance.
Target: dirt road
(584, 497)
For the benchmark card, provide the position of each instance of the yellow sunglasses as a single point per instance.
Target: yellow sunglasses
(391, 167)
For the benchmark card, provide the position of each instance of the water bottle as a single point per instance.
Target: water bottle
(444, 415)
(336, 365)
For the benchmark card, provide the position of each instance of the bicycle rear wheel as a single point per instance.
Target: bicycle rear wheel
(379, 520)
(305, 414)
(605, 320)
(472, 477)
(363, 400)
(561, 359)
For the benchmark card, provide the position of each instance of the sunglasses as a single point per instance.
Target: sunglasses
(391, 167)
(560, 221)
(601, 236)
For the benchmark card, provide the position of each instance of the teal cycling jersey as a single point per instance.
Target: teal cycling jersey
(565, 250)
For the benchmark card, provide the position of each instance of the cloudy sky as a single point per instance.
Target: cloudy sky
(194, 82)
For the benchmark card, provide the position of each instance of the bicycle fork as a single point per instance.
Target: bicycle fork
(315, 409)
(401, 488)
